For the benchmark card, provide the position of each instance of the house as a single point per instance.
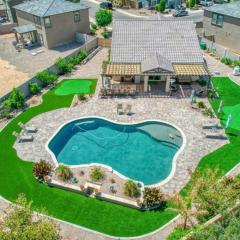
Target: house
(221, 24)
(10, 11)
(2, 9)
(144, 51)
(51, 23)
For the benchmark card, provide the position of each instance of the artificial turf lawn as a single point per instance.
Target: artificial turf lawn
(76, 86)
(16, 177)
(226, 157)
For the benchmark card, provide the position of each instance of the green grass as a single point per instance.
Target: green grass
(76, 86)
(16, 177)
(226, 157)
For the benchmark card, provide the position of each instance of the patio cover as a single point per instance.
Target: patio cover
(190, 70)
(122, 69)
(25, 28)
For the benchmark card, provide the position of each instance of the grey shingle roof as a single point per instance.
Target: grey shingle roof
(44, 8)
(136, 40)
(156, 61)
(229, 9)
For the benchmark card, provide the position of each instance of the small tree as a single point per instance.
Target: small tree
(19, 224)
(152, 197)
(46, 77)
(162, 5)
(103, 17)
(131, 189)
(33, 88)
(64, 66)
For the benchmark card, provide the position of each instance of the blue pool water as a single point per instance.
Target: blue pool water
(143, 152)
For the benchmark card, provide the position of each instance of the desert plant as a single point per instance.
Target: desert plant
(201, 104)
(130, 189)
(96, 174)
(112, 180)
(152, 197)
(46, 77)
(208, 112)
(63, 173)
(41, 169)
(33, 88)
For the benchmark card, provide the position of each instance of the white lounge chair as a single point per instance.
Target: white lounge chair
(23, 137)
(27, 128)
(120, 109)
(128, 109)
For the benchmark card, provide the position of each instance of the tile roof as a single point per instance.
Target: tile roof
(136, 40)
(229, 9)
(156, 61)
(44, 8)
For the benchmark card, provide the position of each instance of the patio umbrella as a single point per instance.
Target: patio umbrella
(192, 97)
(220, 106)
(228, 121)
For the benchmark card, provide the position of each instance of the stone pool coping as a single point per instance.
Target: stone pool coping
(164, 181)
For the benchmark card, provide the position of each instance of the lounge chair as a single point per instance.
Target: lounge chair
(23, 137)
(211, 126)
(26, 128)
(128, 110)
(120, 109)
(214, 135)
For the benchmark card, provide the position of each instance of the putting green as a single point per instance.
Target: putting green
(234, 111)
(76, 86)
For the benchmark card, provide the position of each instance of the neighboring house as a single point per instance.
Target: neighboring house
(221, 24)
(51, 23)
(10, 11)
(154, 50)
(2, 9)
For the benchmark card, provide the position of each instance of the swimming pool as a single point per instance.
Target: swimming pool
(143, 151)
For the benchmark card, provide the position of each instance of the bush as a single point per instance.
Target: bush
(63, 173)
(105, 34)
(16, 100)
(94, 26)
(64, 66)
(41, 169)
(33, 88)
(161, 6)
(227, 61)
(211, 93)
(201, 105)
(130, 189)
(103, 17)
(152, 197)
(208, 112)
(46, 77)
(5, 112)
(202, 83)
(96, 174)
(192, 3)
(236, 63)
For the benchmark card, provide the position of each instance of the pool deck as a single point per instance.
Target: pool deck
(172, 110)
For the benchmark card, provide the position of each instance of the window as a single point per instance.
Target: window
(76, 16)
(47, 22)
(217, 19)
(37, 20)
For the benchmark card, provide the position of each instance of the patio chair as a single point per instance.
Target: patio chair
(120, 109)
(214, 135)
(128, 109)
(26, 128)
(23, 137)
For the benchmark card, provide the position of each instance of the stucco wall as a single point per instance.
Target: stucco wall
(228, 35)
(64, 28)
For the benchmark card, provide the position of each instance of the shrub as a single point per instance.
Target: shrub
(33, 88)
(236, 63)
(96, 174)
(41, 169)
(208, 112)
(63, 173)
(16, 100)
(211, 93)
(130, 189)
(201, 105)
(5, 112)
(152, 197)
(46, 77)
(192, 3)
(162, 6)
(64, 66)
(94, 26)
(105, 34)
(103, 17)
(202, 83)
